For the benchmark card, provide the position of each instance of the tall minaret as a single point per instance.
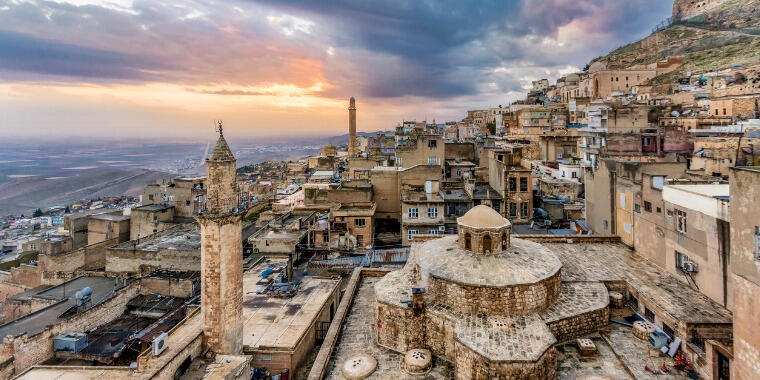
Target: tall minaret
(352, 127)
(222, 254)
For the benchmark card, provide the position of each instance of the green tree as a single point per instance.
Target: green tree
(491, 126)
(37, 213)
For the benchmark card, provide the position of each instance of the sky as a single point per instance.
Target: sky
(148, 69)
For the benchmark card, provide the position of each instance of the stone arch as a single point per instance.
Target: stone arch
(487, 243)
(467, 241)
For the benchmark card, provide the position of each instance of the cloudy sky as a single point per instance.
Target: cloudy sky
(284, 68)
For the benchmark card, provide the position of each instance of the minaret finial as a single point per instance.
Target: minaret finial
(219, 128)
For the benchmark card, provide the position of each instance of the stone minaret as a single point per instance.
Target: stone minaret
(222, 254)
(352, 127)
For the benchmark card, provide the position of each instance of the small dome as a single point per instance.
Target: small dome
(358, 367)
(482, 216)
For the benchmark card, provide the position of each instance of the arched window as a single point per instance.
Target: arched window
(503, 242)
(486, 243)
(467, 238)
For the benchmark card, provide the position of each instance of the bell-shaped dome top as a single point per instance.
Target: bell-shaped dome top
(482, 216)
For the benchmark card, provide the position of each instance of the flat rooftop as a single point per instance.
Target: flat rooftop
(185, 238)
(32, 324)
(110, 217)
(281, 322)
(617, 262)
(153, 207)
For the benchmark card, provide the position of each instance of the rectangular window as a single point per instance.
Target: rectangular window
(649, 314)
(432, 212)
(574, 175)
(432, 232)
(512, 184)
(413, 213)
(150, 197)
(757, 243)
(647, 206)
(512, 209)
(359, 240)
(622, 200)
(359, 222)
(637, 207)
(681, 221)
(432, 143)
(523, 184)
(432, 160)
(412, 233)
(524, 209)
(668, 330)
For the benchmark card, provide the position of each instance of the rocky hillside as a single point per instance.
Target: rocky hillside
(726, 35)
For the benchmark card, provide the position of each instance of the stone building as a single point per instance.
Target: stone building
(185, 194)
(104, 227)
(513, 182)
(745, 275)
(150, 219)
(492, 305)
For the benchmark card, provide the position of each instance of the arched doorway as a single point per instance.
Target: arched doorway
(504, 242)
(486, 243)
(467, 241)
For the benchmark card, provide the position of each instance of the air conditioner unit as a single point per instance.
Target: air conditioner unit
(442, 228)
(690, 267)
(160, 344)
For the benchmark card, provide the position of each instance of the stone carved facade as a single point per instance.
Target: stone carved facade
(222, 255)
(494, 314)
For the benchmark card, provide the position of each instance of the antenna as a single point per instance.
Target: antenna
(218, 125)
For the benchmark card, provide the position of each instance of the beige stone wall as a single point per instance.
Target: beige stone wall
(649, 235)
(421, 151)
(13, 308)
(124, 260)
(222, 279)
(745, 193)
(144, 223)
(100, 230)
(167, 286)
(56, 268)
(512, 300)
(580, 325)
(605, 82)
(470, 365)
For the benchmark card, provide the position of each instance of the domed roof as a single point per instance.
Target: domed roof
(482, 216)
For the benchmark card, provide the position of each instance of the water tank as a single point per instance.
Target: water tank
(267, 272)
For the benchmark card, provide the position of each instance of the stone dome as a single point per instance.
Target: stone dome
(483, 230)
(482, 216)
(358, 367)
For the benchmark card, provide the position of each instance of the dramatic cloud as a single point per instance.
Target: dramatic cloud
(401, 58)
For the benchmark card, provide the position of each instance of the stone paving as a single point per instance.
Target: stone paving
(636, 353)
(357, 336)
(525, 262)
(505, 338)
(616, 262)
(604, 365)
(577, 298)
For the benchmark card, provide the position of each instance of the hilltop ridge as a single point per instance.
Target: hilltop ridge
(727, 34)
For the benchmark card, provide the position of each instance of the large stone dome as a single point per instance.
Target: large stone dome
(483, 217)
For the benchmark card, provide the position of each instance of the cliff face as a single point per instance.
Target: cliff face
(727, 33)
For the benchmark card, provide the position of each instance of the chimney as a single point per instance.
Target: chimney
(418, 301)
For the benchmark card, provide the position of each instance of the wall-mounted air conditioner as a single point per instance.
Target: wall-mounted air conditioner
(690, 267)
(160, 344)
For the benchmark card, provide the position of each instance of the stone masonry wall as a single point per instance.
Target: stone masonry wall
(579, 325)
(513, 300)
(472, 366)
(398, 329)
